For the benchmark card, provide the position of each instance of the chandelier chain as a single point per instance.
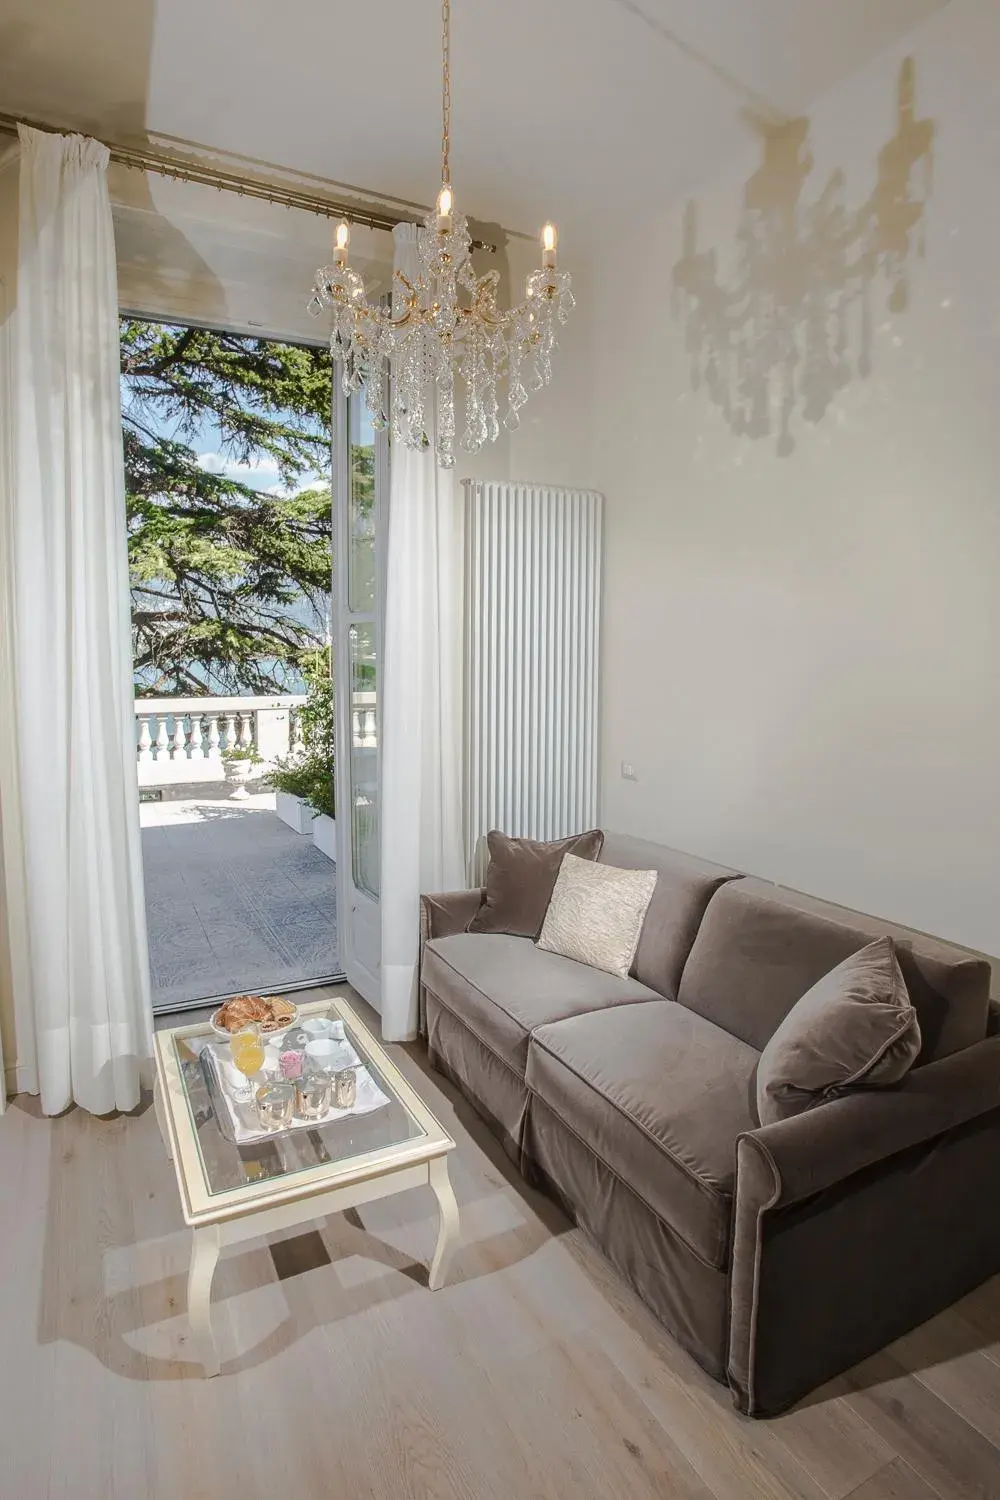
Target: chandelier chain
(445, 90)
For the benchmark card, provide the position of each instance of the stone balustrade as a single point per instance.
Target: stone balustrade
(183, 739)
(364, 734)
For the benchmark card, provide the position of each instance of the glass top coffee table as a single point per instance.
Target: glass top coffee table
(233, 1189)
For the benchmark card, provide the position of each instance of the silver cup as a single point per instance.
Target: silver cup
(313, 1095)
(345, 1088)
(275, 1104)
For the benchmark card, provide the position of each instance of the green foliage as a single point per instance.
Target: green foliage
(293, 777)
(310, 775)
(225, 579)
(243, 752)
(311, 779)
(320, 794)
(317, 714)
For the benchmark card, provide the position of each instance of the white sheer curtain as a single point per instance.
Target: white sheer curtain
(421, 753)
(70, 822)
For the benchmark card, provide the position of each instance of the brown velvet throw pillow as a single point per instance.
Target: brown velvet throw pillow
(854, 1029)
(520, 877)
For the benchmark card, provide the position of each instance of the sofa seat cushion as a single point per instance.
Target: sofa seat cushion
(503, 987)
(659, 1095)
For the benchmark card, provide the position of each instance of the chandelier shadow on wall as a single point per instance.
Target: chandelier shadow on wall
(776, 340)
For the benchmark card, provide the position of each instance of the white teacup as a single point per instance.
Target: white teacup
(317, 1027)
(324, 1051)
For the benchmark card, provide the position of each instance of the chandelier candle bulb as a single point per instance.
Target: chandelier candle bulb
(341, 240)
(444, 206)
(549, 241)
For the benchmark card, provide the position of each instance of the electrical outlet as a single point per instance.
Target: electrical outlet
(628, 772)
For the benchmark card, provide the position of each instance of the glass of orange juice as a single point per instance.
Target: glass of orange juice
(247, 1048)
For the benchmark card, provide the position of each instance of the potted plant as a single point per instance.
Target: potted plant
(322, 801)
(310, 776)
(292, 782)
(238, 764)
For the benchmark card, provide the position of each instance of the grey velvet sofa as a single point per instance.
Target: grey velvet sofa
(777, 1255)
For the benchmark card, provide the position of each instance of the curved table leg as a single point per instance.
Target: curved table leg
(205, 1247)
(448, 1223)
(161, 1117)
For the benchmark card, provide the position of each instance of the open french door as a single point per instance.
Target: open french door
(360, 511)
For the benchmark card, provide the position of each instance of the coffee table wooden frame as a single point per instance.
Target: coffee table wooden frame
(261, 1208)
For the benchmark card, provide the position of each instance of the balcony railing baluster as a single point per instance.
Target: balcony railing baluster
(182, 739)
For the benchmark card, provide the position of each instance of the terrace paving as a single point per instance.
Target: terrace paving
(235, 900)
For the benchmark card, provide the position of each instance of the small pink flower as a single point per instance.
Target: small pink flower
(290, 1063)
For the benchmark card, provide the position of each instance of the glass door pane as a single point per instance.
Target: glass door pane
(361, 493)
(361, 582)
(364, 760)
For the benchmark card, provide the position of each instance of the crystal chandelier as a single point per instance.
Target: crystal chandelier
(444, 330)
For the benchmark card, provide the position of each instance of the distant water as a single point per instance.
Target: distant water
(319, 625)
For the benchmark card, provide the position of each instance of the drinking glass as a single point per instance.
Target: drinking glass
(247, 1049)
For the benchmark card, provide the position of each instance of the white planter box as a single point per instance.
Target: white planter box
(324, 832)
(293, 811)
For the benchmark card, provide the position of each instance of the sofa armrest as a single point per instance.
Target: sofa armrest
(450, 912)
(859, 1219)
(813, 1150)
(443, 915)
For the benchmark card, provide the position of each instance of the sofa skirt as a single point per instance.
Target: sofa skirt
(493, 1089)
(686, 1294)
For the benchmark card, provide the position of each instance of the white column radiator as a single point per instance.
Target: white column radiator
(533, 561)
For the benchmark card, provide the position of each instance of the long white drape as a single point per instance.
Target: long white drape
(70, 823)
(421, 751)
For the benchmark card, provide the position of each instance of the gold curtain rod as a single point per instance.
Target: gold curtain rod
(141, 160)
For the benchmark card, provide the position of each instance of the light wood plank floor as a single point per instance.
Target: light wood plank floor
(534, 1373)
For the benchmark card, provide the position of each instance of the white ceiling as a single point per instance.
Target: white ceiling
(570, 109)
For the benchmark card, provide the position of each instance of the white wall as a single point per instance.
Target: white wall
(801, 652)
(552, 443)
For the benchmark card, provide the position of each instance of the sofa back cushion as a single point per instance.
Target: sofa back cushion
(684, 887)
(760, 948)
(520, 878)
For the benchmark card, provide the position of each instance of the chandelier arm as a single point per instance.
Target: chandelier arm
(412, 314)
(488, 319)
(484, 310)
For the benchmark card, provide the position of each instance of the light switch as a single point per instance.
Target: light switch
(628, 772)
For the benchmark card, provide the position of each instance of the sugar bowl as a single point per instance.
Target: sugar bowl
(275, 1104)
(313, 1094)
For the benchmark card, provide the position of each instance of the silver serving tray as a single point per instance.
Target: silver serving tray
(224, 1108)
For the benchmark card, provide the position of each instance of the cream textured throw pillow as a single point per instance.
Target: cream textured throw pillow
(596, 914)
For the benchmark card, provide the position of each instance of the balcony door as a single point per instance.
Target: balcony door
(360, 501)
